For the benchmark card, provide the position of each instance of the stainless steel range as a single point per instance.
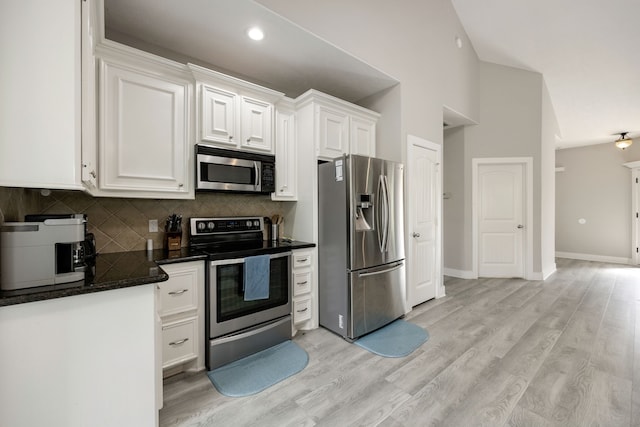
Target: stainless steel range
(236, 325)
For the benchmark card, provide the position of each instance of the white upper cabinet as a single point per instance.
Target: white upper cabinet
(363, 136)
(286, 153)
(40, 87)
(337, 127)
(333, 128)
(145, 127)
(257, 119)
(233, 113)
(219, 122)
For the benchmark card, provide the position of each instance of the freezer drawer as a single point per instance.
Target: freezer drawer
(377, 297)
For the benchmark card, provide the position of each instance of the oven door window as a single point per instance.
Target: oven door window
(230, 294)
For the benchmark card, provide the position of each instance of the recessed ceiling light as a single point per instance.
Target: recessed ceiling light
(255, 33)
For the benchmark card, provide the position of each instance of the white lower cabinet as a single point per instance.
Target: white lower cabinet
(77, 361)
(181, 310)
(179, 342)
(303, 282)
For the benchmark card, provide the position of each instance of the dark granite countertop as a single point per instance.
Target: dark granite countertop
(125, 269)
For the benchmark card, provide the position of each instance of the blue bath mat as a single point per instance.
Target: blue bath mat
(397, 339)
(252, 374)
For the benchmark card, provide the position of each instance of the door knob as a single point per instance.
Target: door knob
(416, 234)
(520, 226)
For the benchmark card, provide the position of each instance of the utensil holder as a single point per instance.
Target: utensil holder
(275, 232)
(174, 240)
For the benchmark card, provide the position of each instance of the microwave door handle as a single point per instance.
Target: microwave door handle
(256, 170)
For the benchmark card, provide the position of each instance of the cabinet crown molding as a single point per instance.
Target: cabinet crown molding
(207, 76)
(313, 95)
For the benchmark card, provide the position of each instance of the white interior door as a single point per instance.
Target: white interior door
(500, 220)
(424, 187)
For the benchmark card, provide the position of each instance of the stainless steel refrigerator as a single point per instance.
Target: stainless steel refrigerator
(360, 244)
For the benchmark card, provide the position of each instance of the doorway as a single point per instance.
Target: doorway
(424, 202)
(502, 217)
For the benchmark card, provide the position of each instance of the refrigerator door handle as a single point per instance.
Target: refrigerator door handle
(386, 216)
(386, 270)
(379, 222)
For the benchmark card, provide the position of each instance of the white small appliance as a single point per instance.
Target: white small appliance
(41, 253)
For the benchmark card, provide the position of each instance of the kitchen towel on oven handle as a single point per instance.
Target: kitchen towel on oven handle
(256, 277)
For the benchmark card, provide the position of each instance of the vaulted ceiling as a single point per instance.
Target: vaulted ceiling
(587, 52)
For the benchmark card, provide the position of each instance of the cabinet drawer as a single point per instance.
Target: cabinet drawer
(179, 342)
(301, 259)
(301, 283)
(301, 310)
(178, 294)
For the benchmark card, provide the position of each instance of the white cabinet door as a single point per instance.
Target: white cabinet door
(333, 133)
(363, 136)
(144, 132)
(219, 121)
(40, 101)
(257, 117)
(304, 289)
(182, 312)
(285, 150)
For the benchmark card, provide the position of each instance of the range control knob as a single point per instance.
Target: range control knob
(201, 226)
(256, 223)
(211, 225)
(249, 224)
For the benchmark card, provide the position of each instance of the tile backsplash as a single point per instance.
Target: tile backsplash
(123, 224)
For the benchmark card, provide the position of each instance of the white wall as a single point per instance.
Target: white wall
(550, 130)
(510, 123)
(456, 239)
(412, 41)
(597, 187)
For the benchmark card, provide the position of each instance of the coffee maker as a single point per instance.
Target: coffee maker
(44, 250)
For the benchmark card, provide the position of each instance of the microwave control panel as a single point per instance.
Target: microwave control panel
(268, 177)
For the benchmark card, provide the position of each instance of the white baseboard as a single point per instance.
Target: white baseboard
(460, 274)
(548, 271)
(536, 275)
(599, 258)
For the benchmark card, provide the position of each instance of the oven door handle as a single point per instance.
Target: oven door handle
(241, 260)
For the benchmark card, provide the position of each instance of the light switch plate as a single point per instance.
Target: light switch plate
(153, 226)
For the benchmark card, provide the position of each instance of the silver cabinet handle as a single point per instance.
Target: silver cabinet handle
(230, 137)
(182, 341)
(302, 260)
(520, 226)
(302, 283)
(416, 234)
(180, 292)
(303, 310)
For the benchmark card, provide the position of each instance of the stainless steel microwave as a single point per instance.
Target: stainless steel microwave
(229, 170)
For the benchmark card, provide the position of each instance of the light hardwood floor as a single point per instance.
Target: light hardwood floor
(502, 352)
